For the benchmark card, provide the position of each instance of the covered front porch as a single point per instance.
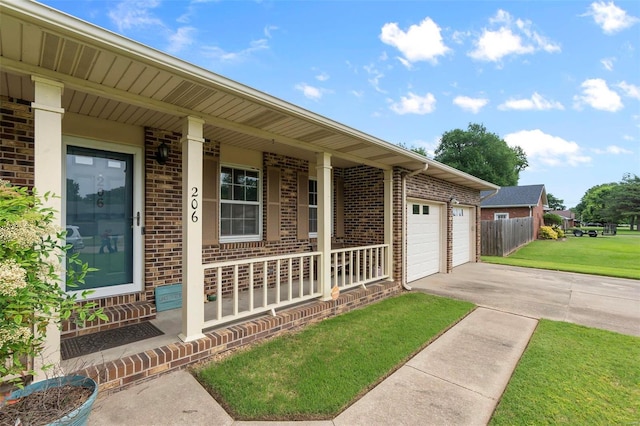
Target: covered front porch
(281, 215)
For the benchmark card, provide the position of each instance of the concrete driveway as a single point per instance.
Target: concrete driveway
(595, 301)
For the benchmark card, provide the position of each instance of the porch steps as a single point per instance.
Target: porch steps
(118, 316)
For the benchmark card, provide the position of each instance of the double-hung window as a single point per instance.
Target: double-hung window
(313, 208)
(240, 204)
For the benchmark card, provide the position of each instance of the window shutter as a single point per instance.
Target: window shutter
(273, 204)
(210, 194)
(303, 206)
(339, 207)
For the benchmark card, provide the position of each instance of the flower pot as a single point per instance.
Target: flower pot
(77, 417)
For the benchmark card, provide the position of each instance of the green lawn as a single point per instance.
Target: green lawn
(574, 375)
(317, 372)
(615, 256)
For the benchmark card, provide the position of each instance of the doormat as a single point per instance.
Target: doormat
(95, 342)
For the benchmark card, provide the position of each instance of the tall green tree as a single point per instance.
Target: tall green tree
(555, 203)
(622, 203)
(482, 154)
(612, 202)
(592, 202)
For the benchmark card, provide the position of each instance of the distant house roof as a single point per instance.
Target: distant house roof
(567, 214)
(515, 196)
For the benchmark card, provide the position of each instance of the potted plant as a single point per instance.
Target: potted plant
(33, 253)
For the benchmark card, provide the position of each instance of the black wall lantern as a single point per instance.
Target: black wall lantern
(162, 154)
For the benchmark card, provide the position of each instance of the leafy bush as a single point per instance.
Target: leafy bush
(32, 251)
(558, 230)
(551, 219)
(547, 233)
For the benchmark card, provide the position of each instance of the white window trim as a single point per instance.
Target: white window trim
(498, 216)
(241, 238)
(315, 234)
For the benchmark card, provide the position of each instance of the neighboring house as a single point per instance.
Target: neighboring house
(568, 218)
(175, 177)
(516, 201)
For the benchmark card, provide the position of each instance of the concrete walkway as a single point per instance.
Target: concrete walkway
(458, 379)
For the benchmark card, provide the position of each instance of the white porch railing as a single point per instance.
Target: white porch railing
(248, 287)
(355, 266)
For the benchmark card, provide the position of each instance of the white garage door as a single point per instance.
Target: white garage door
(461, 235)
(423, 240)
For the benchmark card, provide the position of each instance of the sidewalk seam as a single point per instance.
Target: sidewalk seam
(453, 383)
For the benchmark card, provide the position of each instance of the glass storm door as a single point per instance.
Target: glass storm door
(100, 217)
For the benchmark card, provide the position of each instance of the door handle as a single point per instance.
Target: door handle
(137, 218)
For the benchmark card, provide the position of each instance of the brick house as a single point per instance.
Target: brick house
(516, 201)
(177, 178)
(568, 218)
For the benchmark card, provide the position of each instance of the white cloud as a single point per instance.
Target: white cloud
(135, 13)
(182, 38)
(414, 104)
(429, 146)
(323, 76)
(219, 54)
(612, 149)
(610, 17)
(357, 93)
(374, 77)
(536, 102)
(547, 150)
(597, 95)
(630, 90)
(473, 105)
(607, 63)
(628, 138)
(268, 29)
(421, 42)
(511, 37)
(459, 37)
(311, 92)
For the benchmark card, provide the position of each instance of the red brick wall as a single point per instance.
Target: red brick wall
(363, 206)
(16, 141)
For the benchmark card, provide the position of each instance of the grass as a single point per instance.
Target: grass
(614, 256)
(572, 374)
(319, 371)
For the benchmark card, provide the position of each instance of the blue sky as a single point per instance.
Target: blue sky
(561, 79)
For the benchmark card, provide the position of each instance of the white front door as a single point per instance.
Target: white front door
(423, 240)
(103, 212)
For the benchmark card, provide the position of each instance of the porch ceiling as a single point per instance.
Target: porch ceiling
(110, 77)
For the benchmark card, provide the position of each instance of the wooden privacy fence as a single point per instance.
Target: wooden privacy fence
(501, 237)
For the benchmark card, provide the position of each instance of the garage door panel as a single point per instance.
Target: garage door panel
(423, 240)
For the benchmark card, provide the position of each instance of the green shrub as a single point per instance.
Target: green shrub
(547, 233)
(551, 219)
(558, 230)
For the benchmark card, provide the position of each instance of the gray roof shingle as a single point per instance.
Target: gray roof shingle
(514, 196)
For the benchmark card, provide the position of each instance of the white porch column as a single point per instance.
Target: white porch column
(388, 220)
(192, 272)
(323, 175)
(48, 160)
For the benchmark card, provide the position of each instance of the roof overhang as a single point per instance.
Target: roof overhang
(110, 77)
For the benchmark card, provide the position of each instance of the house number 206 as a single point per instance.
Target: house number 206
(194, 204)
